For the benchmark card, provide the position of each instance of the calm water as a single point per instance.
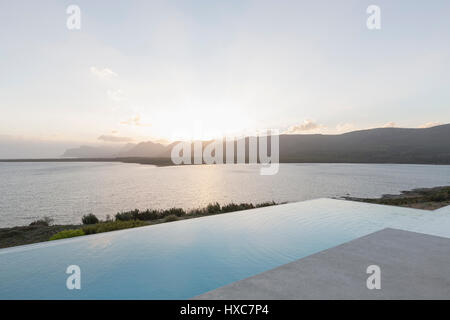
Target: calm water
(182, 259)
(67, 191)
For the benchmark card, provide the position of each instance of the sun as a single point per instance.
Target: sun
(198, 124)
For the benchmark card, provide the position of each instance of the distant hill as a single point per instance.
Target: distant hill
(144, 149)
(96, 152)
(382, 145)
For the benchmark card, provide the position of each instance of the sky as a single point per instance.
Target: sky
(169, 70)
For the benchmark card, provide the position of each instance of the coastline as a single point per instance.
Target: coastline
(419, 198)
(165, 162)
(160, 162)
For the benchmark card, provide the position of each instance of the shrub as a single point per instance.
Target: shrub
(67, 234)
(148, 215)
(213, 208)
(439, 197)
(171, 218)
(197, 212)
(128, 215)
(265, 204)
(237, 207)
(89, 219)
(112, 226)
(174, 211)
(45, 221)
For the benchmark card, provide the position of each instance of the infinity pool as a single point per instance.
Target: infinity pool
(182, 259)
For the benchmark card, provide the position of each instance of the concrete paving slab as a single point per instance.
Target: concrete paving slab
(412, 265)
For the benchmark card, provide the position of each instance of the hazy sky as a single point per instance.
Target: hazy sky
(139, 70)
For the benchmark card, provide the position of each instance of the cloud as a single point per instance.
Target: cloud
(135, 121)
(389, 125)
(306, 125)
(104, 73)
(430, 124)
(110, 138)
(345, 127)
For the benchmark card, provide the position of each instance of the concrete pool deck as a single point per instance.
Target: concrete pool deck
(413, 266)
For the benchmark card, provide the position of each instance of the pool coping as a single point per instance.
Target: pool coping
(412, 266)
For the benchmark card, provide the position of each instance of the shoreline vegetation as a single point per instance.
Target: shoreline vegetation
(42, 230)
(421, 198)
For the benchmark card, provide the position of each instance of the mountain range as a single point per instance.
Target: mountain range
(380, 145)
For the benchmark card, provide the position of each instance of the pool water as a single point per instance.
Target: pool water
(182, 259)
